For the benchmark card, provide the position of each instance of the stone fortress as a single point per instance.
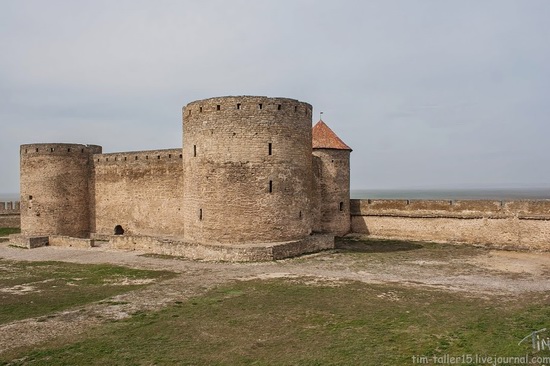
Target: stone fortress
(253, 181)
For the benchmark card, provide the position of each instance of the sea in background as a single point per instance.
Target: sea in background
(425, 194)
(6, 197)
(499, 194)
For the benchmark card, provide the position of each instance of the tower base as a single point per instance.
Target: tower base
(224, 252)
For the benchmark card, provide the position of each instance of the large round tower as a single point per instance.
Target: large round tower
(247, 170)
(333, 180)
(55, 195)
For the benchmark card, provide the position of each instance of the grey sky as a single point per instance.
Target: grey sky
(428, 93)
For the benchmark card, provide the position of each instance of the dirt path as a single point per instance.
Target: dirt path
(471, 270)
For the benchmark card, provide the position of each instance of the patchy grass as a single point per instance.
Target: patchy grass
(283, 322)
(365, 252)
(5, 231)
(31, 289)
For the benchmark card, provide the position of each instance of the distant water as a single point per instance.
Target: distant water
(454, 194)
(9, 197)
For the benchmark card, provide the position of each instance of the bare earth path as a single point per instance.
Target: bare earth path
(474, 271)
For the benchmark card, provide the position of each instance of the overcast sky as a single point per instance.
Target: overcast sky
(428, 93)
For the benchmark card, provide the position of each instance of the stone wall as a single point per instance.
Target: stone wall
(140, 191)
(223, 252)
(247, 169)
(502, 224)
(9, 214)
(334, 191)
(55, 196)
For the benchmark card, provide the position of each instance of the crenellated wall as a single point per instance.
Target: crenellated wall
(502, 224)
(10, 214)
(140, 191)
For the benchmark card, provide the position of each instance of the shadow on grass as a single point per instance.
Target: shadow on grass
(374, 245)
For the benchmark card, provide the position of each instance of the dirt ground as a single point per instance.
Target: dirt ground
(474, 271)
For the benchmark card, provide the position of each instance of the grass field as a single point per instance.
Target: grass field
(320, 319)
(32, 289)
(306, 322)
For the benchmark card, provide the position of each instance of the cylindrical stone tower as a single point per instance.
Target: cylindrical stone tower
(247, 170)
(55, 196)
(333, 180)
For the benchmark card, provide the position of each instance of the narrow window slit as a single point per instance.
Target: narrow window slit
(218, 107)
(341, 206)
(270, 186)
(238, 105)
(194, 151)
(279, 107)
(200, 214)
(260, 106)
(270, 148)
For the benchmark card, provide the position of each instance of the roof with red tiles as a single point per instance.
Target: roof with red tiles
(325, 138)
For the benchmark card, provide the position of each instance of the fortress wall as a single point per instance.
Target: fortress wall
(141, 191)
(334, 190)
(248, 170)
(54, 189)
(502, 224)
(10, 214)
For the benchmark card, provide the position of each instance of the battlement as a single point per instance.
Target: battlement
(248, 105)
(9, 207)
(522, 209)
(58, 149)
(150, 156)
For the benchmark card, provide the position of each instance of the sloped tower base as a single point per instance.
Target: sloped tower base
(224, 252)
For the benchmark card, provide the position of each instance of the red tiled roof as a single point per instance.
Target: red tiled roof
(325, 138)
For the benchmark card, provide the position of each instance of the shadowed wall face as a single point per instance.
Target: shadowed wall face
(334, 182)
(247, 170)
(55, 196)
(521, 225)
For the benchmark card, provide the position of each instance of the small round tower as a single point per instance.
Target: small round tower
(333, 179)
(247, 170)
(55, 195)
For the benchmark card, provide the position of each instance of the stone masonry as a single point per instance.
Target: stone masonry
(251, 172)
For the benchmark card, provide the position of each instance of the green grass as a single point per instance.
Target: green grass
(5, 231)
(31, 289)
(287, 322)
